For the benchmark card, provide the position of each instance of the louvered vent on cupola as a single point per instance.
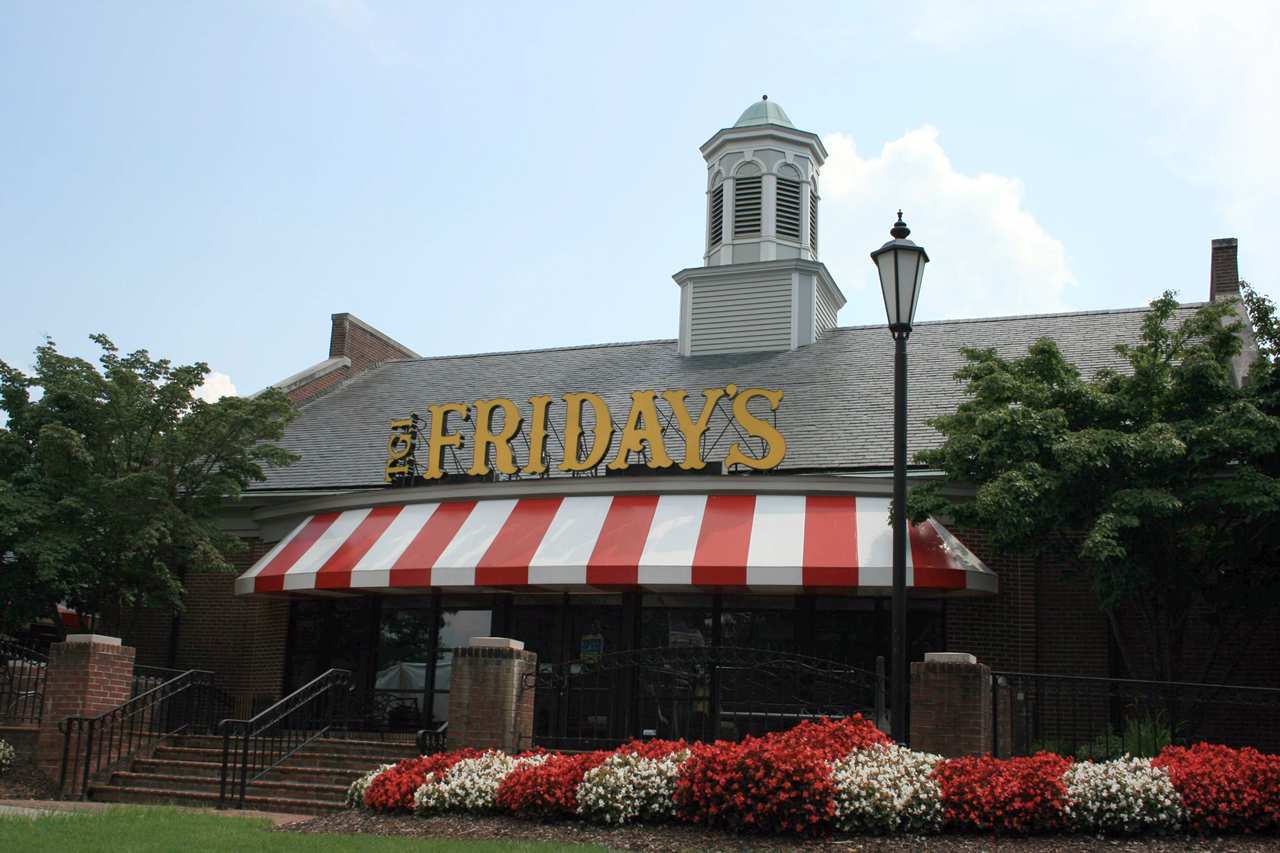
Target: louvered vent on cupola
(813, 218)
(748, 203)
(716, 225)
(788, 209)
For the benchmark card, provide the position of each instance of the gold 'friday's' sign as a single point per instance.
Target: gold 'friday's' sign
(641, 432)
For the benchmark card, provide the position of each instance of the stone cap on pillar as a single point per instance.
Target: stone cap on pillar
(949, 657)
(496, 643)
(100, 639)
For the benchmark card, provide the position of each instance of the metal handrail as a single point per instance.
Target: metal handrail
(275, 734)
(432, 740)
(23, 672)
(103, 742)
(147, 677)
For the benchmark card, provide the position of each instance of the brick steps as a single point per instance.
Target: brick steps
(158, 797)
(187, 771)
(196, 769)
(308, 757)
(171, 782)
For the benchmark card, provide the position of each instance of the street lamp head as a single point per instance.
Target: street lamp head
(900, 263)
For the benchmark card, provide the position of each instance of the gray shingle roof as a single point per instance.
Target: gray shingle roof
(837, 412)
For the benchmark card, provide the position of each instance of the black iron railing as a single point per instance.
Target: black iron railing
(254, 747)
(22, 679)
(1099, 718)
(148, 677)
(94, 746)
(432, 740)
(696, 692)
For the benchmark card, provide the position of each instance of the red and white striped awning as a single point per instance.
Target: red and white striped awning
(660, 542)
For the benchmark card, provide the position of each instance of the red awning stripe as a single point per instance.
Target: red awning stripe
(336, 571)
(615, 559)
(413, 568)
(830, 541)
(271, 577)
(724, 541)
(660, 542)
(506, 563)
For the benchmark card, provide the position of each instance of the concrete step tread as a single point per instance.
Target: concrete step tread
(254, 801)
(308, 755)
(408, 747)
(317, 787)
(215, 767)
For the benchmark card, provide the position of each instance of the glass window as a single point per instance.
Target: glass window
(404, 649)
(458, 624)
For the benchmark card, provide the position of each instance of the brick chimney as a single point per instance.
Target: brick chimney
(354, 347)
(1224, 284)
(363, 344)
(1224, 270)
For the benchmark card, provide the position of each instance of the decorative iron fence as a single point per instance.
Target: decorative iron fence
(148, 677)
(94, 746)
(22, 678)
(252, 748)
(696, 693)
(1088, 717)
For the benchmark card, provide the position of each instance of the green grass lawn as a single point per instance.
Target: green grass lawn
(159, 830)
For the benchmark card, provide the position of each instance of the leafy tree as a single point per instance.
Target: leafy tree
(111, 479)
(1162, 478)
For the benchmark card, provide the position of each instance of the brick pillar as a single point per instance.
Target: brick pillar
(87, 675)
(951, 705)
(490, 706)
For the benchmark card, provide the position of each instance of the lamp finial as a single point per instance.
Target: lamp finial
(899, 231)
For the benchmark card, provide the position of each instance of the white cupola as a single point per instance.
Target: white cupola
(761, 287)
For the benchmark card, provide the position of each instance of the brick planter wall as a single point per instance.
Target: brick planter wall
(489, 705)
(87, 675)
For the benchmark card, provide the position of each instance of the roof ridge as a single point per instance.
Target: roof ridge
(651, 341)
(490, 353)
(1006, 317)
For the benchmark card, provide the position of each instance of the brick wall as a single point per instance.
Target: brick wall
(951, 708)
(1224, 269)
(84, 679)
(489, 706)
(363, 345)
(319, 385)
(241, 639)
(1001, 631)
(1046, 617)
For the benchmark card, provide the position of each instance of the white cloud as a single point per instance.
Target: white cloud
(216, 386)
(989, 255)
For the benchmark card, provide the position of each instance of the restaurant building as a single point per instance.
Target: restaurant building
(724, 488)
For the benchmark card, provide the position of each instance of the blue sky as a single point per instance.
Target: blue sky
(212, 180)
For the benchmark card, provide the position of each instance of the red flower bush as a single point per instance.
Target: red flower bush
(1224, 789)
(392, 790)
(655, 749)
(1003, 795)
(548, 789)
(758, 785)
(834, 739)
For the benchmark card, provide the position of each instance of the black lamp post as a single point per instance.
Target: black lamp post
(900, 263)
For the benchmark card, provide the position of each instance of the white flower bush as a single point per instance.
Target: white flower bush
(887, 788)
(470, 785)
(628, 787)
(7, 754)
(355, 793)
(1127, 795)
